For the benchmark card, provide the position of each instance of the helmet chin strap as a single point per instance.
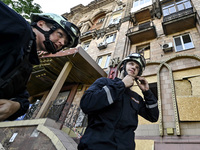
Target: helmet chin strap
(48, 43)
(124, 68)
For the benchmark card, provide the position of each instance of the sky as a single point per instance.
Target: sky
(59, 6)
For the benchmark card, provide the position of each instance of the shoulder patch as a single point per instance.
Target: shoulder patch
(135, 100)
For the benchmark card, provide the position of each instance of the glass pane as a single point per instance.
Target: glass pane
(86, 47)
(114, 37)
(111, 38)
(172, 9)
(187, 4)
(141, 2)
(136, 3)
(178, 44)
(147, 54)
(187, 42)
(108, 39)
(104, 58)
(107, 62)
(180, 7)
(146, 1)
(165, 12)
(99, 61)
(186, 38)
(111, 21)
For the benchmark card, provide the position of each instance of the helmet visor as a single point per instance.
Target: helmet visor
(140, 57)
(72, 29)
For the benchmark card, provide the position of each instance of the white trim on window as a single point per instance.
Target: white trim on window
(86, 45)
(110, 38)
(183, 42)
(138, 4)
(103, 61)
(173, 6)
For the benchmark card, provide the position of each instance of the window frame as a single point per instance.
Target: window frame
(115, 20)
(100, 58)
(138, 4)
(144, 52)
(186, 4)
(118, 8)
(182, 42)
(109, 36)
(100, 20)
(86, 43)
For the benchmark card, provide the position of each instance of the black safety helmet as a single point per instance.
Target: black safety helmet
(133, 57)
(58, 21)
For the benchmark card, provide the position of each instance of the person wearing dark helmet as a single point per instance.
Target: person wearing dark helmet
(113, 108)
(19, 44)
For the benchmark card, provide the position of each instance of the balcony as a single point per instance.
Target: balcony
(141, 33)
(88, 35)
(142, 15)
(179, 21)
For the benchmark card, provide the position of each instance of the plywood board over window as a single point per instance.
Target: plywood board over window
(187, 86)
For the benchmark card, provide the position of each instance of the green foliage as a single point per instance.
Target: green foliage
(23, 7)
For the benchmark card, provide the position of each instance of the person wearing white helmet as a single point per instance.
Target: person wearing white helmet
(19, 45)
(113, 108)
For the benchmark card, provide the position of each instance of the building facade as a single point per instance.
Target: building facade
(166, 32)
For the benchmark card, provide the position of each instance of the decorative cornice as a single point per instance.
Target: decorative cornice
(173, 58)
(91, 6)
(110, 28)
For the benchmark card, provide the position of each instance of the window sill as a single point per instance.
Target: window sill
(111, 43)
(185, 50)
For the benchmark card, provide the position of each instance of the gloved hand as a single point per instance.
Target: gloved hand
(142, 83)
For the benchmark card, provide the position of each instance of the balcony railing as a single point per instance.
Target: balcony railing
(88, 32)
(179, 21)
(88, 35)
(140, 27)
(178, 14)
(142, 32)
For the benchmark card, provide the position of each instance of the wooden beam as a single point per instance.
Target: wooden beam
(55, 89)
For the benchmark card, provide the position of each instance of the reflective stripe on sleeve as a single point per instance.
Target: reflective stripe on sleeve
(110, 100)
(152, 106)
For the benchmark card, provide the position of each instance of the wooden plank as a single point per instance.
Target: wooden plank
(55, 89)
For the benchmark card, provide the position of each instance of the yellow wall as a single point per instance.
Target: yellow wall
(144, 144)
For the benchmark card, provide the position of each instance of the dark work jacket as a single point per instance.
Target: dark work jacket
(113, 115)
(15, 34)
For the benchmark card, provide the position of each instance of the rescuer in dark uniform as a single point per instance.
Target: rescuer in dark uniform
(19, 44)
(113, 108)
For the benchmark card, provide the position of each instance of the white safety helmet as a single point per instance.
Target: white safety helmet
(133, 57)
